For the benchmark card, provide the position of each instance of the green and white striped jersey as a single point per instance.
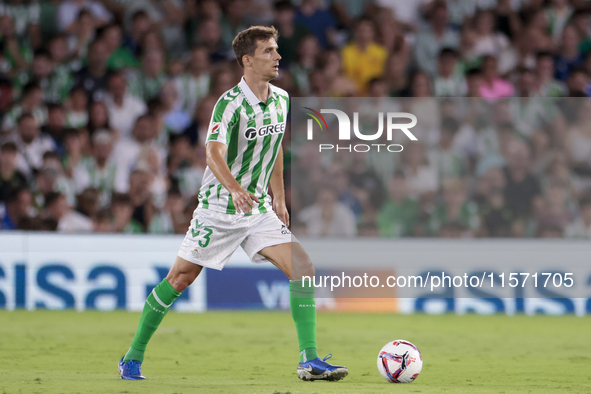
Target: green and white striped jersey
(253, 131)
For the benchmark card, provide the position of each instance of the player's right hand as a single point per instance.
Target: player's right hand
(244, 201)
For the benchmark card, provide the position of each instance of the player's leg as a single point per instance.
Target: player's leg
(293, 260)
(180, 276)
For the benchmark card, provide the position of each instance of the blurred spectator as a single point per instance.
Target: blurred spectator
(31, 103)
(449, 82)
(55, 85)
(140, 24)
(399, 214)
(168, 17)
(578, 83)
(337, 83)
(146, 84)
(128, 150)
(347, 11)
(99, 172)
(121, 215)
(56, 125)
(69, 9)
(410, 13)
(69, 221)
(123, 108)
(209, 34)
(77, 115)
(558, 14)
(175, 117)
(454, 207)
(31, 144)
(420, 176)
(94, 77)
(579, 138)
(436, 36)
(10, 178)
(88, 203)
(493, 86)
(98, 118)
(548, 86)
(473, 82)
(448, 161)
(526, 85)
(395, 76)
(328, 217)
(319, 21)
(307, 51)
(120, 56)
(553, 210)
(364, 59)
(339, 180)
(491, 42)
(233, 20)
(26, 15)
(18, 206)
(141, 197)
(497, 218)
(81, 34)
(581, 20)
(290, 33)
(522, 191)
(366, 184)
(193, 84)
(581, 226)
(569, 57)
(166, 220)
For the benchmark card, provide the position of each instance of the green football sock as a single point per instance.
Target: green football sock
(156, 307)
(303, 311)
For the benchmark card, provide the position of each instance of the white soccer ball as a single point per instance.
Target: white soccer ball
(400, 362)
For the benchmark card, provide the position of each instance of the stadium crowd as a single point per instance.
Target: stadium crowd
(105, 105)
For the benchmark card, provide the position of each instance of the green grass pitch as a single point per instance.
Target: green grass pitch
(256, 352)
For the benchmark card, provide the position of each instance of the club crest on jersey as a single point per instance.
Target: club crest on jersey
(251, 116)
(215, 128)
(251, 133)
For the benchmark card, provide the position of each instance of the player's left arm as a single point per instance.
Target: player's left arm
(276, 183)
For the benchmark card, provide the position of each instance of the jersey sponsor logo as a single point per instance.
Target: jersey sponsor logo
(215, 128)
(251, 133)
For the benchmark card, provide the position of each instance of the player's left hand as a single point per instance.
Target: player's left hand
(281, 210)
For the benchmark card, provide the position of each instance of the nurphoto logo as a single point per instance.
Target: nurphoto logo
(344, 124)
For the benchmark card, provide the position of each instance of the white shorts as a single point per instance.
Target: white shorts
(214, 236)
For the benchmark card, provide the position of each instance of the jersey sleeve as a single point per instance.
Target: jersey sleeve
(224, 119)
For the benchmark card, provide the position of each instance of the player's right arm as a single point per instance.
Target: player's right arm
(215, 154)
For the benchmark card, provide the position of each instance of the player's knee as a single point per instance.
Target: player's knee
(180, 281)
(302, 266)
(309, 269)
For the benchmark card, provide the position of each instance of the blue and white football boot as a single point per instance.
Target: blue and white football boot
(131, 370)
(318, 369)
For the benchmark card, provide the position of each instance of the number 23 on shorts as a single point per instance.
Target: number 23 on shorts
(205, 232)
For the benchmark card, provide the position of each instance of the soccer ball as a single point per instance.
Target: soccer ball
(400, 362)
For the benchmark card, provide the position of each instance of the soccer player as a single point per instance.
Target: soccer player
(244, 157)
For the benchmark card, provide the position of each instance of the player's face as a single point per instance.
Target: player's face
(265, 61)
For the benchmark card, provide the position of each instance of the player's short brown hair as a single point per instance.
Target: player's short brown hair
(245, 43)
